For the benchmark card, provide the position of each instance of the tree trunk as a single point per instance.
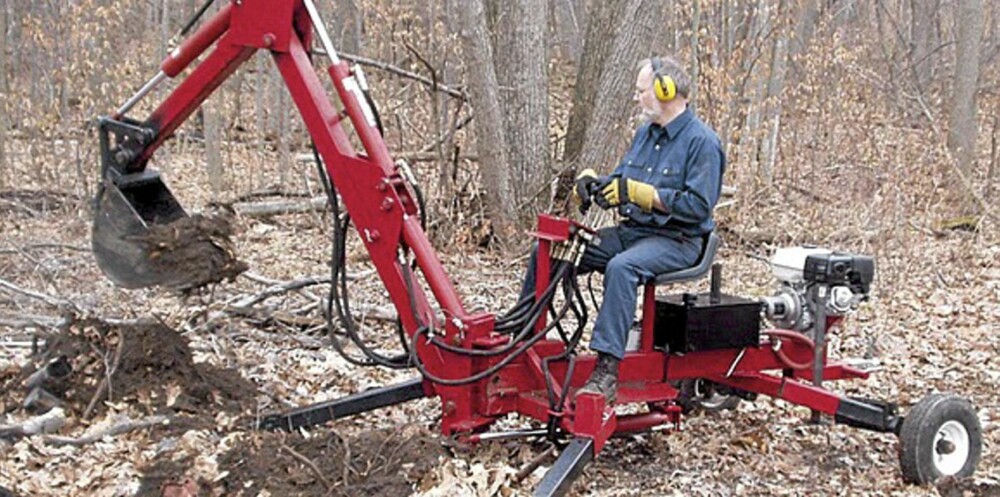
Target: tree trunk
(602, 29)
(347, 23)
(521, 63)
(606, 135)
(284, 148)
(4, 92)
(164, 26)
(213, 144)
(491, 142)
(695, 64)
(446, 182)
(753, 91)
(994, 158)
(805, 25)
(962, 125)
(772, 99)
(921, 33)
(568, 29)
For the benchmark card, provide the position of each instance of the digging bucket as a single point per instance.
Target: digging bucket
(124, 209)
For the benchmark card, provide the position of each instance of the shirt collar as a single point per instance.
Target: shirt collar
(673, 128)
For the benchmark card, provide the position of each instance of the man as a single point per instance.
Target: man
(664, 189)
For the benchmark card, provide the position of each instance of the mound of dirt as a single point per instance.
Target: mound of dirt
(383, 462)
(192, 252)
(164, 474)
(149, 363)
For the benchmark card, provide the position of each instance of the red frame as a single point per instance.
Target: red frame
(383, 209)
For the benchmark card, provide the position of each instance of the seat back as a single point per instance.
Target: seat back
(699, 270)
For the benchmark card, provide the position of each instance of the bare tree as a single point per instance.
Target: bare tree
(772, 98)
(4, 91)
(611, 104)
(805, 26)
(601, 32)
(521, 60)
(962, 125)
(567, 16)
(347, 23)
(213, 140)
(695, 52)
(491, 142)
(922, 34)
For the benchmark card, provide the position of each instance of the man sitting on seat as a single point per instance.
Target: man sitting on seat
(664, 189)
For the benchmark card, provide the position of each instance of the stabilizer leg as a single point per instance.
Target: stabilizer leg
(563, 473)
(322, 412)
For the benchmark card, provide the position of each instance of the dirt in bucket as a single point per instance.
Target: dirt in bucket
(192, 252)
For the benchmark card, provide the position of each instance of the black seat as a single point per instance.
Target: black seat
(699, 270)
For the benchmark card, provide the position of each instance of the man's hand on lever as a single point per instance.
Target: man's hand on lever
(587, 184)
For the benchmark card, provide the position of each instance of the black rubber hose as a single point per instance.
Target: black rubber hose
(338, 277)
(484, 373)
(525, 332)
(197, 15)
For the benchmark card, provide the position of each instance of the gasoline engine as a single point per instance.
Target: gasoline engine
(816, 282)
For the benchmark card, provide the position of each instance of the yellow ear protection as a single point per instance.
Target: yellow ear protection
(663, 85)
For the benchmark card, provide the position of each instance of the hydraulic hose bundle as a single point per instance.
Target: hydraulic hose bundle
(520, 321)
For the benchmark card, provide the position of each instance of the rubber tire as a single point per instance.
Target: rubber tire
(920, 426)
(690, 401)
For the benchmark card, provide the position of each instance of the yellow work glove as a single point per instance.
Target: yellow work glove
(621, 190)
(583, 188)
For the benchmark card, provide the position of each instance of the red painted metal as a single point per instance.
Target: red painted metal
(197, 43)
(785, 388)
(648, 317)
(643, 422)
(383, 210)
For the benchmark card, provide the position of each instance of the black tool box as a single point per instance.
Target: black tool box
(693, 322)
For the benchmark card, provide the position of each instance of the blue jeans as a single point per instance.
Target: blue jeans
(628, 258)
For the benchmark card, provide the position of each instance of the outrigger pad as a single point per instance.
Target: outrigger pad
(141, 237)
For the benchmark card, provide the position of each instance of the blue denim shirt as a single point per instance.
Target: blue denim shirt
(684, 162)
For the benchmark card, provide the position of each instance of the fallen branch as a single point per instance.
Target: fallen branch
(49, 422)
(422, 156)
(534, 463)
(359, 311)
(31, 321)
(279, 288)
(48, 299)
(19, 206)
(278, 207)
(121, 426)
(106, 381)
(308, 462)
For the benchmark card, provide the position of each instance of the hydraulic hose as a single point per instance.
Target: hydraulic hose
(777, 335)
(537, 310)
(338, 293)
(484, 373)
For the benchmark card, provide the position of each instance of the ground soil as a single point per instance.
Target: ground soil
(381, 462)
(151, 363)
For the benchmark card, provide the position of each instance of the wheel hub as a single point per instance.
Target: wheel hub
(951, 448)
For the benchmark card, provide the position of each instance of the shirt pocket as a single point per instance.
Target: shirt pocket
(637, 170)
(669, 176)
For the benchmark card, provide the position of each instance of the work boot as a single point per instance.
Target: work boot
(604, 379)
